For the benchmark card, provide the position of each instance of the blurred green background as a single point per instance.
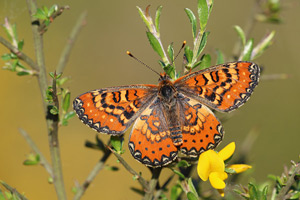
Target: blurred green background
(99, 60)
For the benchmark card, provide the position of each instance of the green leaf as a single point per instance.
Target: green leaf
(117, 143)
(205, 61)
(202, 43)
(53, 9)
(188, 54)
(246, 54)
(40, 14)
(144, 18)
(61, 81)
(265, 192)
(192, 187)
(183, 163)
(220, 57)
(157, 18)
(263, 45)
(66, 101)
(162, 64)
(155, 44)
(69, 115)
(230, 171)
(138, 191)
(176, 191)
(23, 73)
(203, 14)
(191, 196)
(178, 173)
(193, 21)
(296, 195)
(253, 191)
(74, 190)
(32, 159)
(241, 33)
(20, 45)
(112, 168)
(45, 10)
(1, 196)
(6, 56)
(21, 66)
(197, 64)
(52, 75)
(14, 65)
(54, 110)
(171, 52)
(170, 70)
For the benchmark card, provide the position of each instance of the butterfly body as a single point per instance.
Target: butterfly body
(173, 115)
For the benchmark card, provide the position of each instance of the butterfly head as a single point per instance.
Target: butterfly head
(167, 91)
(164, 77)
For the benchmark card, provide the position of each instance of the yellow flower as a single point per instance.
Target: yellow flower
(211, 166)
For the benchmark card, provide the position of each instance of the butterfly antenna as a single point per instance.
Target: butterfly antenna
(183, 45)
(128, 53)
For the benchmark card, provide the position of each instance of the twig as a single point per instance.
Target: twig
(44, 27)
(163, 188)
(289, 183)
(92, 175)
(13, 191)
(20, 54)
(54, 147)
(153, 182)
(67, 50)
(52, 126)
(141, 180)
(43, 160)
(248, 28)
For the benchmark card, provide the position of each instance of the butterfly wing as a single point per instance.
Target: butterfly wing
(113, 110)
(223, 87)
(201, 130)
(149, 141)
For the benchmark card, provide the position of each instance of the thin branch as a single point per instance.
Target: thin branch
(52, 125)
(99, 166)
(54, 147)
(20, 54)
(44, 27)
(13, 191)
(152, 184)
(284, 190)
(248, 28)
(141, 180)
(70, 43)
(43, 160)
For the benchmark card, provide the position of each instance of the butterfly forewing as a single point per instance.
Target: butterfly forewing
(223, 87)
(113, 110)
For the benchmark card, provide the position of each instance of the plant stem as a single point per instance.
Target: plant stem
(43, 27)
(70, 42)
(43, 160)
(52, 125)
(152, 184)
(99, 166)
(20, 54)
(284, 190)
(141, 180)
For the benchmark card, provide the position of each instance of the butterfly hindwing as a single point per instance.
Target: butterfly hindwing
(223, 87)
(201, 130)
(113, 110)
(149, 141)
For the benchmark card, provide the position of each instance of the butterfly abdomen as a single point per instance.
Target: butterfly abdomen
(176, 135)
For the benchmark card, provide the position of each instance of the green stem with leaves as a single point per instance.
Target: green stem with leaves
(52, 126)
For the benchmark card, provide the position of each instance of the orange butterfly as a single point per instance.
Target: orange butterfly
(173, 115)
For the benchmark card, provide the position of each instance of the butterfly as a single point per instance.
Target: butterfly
(173, 116)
